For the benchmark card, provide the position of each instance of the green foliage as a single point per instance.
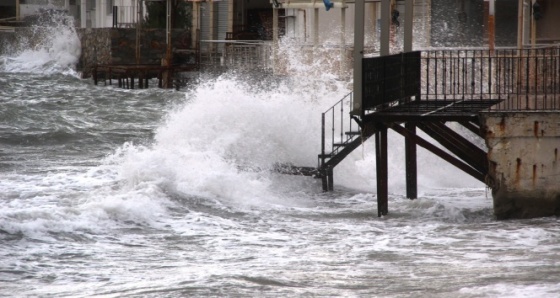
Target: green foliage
(156, 14)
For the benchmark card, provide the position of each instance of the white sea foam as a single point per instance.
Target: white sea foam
(52, 47)
(220, 143)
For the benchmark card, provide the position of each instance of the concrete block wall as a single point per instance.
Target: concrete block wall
(118, 46)
(524, 170)
(96, 48)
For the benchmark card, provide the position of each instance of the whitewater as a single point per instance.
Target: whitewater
(164, 193)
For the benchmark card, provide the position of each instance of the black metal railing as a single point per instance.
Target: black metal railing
(527, 79)
(390, 78)
(341, 128)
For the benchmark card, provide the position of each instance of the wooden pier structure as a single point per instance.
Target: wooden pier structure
(130, 76)
(426, 91)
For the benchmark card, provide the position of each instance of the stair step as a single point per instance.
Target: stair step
(353, 133)
(340, 144)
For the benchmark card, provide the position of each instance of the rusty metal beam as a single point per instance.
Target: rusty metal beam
(457, 144)
(473, 127)
(439, 152)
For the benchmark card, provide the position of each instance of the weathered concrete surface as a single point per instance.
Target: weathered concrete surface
(96, 48)
(523, 162)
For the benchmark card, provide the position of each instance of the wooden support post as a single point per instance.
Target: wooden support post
(382, 172)
(325, 181)
(131, 82)
(411, 164)
(147, 80)
(140, 82)
(120, 82)
(95, 75)
(331, 178)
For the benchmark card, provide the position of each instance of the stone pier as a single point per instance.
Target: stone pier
(523, 162)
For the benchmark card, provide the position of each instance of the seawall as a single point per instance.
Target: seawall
(523, 155)
(104, 45)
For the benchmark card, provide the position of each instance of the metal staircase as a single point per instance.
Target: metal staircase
(341, 134)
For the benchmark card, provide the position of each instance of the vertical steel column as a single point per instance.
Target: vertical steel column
(411, 164)
(324, 173)
(382, 177)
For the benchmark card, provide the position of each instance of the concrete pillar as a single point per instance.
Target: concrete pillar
(342, 41)
(523, 155)
(385, 27)
(408, 25)
(520, 24)
(274, 38)
(358, 55)
(195, 23)
(491, 25)
(83, 13)
(231, 12)
(211, 25)
(315, 28)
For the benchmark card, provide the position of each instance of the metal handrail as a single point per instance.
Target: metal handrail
(337, 116)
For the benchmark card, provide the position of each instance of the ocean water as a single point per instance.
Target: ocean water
(162, 193)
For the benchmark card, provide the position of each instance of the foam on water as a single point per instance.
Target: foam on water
(53, 47)
(219, 146)
(225, 139)
(197, 211)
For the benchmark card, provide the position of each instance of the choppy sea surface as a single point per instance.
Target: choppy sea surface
(164, 193)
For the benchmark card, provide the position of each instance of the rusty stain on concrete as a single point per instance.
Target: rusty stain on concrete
(518, 171)
(534, 175)
(536, 129)
(503, 124)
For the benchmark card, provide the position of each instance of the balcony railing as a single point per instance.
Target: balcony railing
(236, 54)
(125, 16)
(527, 79)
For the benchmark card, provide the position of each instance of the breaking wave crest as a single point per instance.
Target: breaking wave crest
(51, 46)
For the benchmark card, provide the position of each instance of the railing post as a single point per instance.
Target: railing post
(322, 139)
(342, 121)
